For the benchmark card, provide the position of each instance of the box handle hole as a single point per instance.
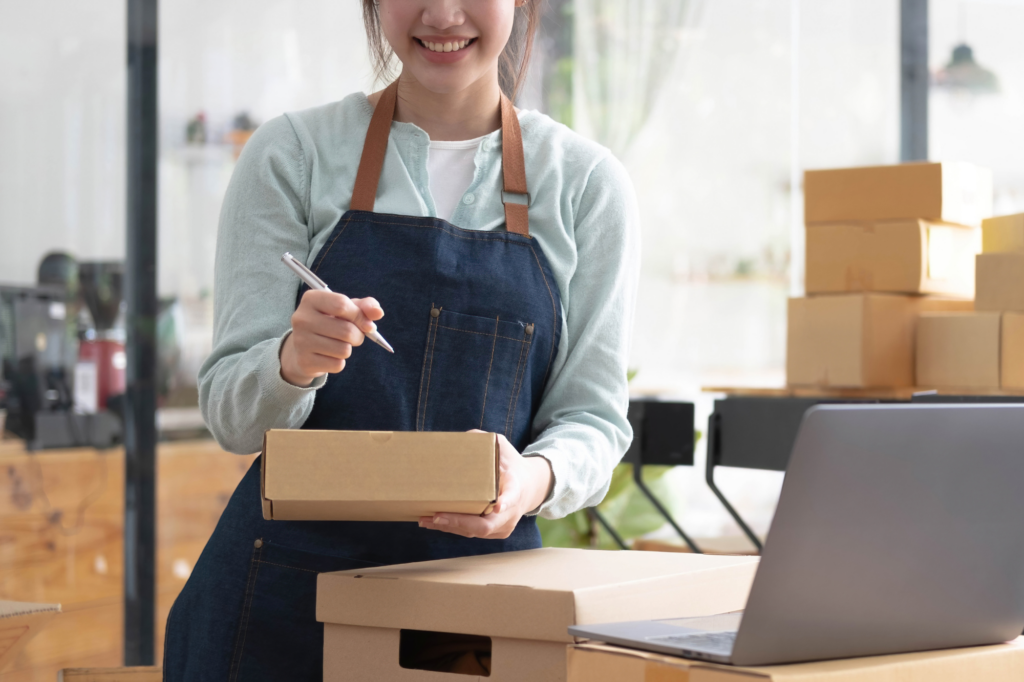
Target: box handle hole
(445, 652)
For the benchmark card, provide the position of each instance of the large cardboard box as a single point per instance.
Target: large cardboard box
(1000, 282)
(856, 340)
(958, 350)
(20, 622)
(376, 475)
(1011, 362)
(1003, 234)
(945, 192)
(997, 663)
(910, 256)
(395, 624)
(970, 350)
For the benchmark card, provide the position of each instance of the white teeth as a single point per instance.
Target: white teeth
(445, 47)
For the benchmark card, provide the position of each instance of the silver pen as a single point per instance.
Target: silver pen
(314, 282)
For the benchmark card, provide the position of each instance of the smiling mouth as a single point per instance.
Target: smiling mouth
(452, 46)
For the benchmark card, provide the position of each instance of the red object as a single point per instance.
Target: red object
(110, 360)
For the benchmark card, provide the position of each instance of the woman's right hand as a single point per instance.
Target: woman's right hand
(325, 327)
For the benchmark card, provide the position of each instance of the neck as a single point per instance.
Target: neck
(464, 115)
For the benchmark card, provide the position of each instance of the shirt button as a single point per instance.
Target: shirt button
(468, 199)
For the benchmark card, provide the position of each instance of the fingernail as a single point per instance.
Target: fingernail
(373, 327)
(440, 521)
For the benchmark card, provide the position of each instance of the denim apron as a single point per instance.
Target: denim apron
(475, 320)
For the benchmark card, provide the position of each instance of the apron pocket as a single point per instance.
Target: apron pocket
(278, 636)
(473, 373)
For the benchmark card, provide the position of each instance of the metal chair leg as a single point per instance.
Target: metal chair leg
(710, 478)
(595, 514)
(638, 479)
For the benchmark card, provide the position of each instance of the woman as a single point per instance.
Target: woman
(504, 250)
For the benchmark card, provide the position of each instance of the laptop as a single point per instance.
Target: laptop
(899, 528)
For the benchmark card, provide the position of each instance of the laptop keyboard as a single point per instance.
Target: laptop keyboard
(712, 642)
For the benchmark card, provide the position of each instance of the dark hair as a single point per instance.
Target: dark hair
(512, 65)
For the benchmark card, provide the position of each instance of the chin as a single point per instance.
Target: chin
(443, 84)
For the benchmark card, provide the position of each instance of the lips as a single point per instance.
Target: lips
(446, 45)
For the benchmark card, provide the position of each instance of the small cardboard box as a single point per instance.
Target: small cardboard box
(20, 622)
(1004, 234)
(517, 605)
(1000, 282)
(910, 257)
(376, 475)
(959, 193)
(997, 663)
(970, 350)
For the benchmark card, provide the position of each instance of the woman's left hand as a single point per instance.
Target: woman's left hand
(525, 482)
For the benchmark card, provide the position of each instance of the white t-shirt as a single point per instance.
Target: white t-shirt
(450, 167)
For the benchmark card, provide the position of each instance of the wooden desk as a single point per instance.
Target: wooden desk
(61, 526)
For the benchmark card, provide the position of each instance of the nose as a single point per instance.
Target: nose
(443, 14)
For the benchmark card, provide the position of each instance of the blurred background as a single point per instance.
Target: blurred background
(715, 108)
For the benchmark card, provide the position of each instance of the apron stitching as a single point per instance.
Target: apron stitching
(519, 388)
(429, 370)
(511, 401)
(554, 314)
(320, 260)
(423, 374)
(496, 335)
(430, 374)
(250, 589)
(487, 381)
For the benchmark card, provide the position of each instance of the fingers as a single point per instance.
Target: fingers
(340, 306)
(498, 524)
(492, 526)
(508, 494)
(370, 307)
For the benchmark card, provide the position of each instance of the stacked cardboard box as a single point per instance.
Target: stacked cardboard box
(982, 349)
(884, 245)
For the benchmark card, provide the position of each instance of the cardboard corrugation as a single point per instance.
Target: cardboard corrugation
(311, 475)
(592, 662)
(524, 601)
(20, 622)
(958, 193)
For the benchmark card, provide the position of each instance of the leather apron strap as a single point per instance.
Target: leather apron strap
(513, 165)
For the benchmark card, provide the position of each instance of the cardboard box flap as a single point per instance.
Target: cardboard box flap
(19, 622)
(534, 594)
(995, 663)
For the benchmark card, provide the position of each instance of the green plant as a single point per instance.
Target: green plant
(627, 510)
